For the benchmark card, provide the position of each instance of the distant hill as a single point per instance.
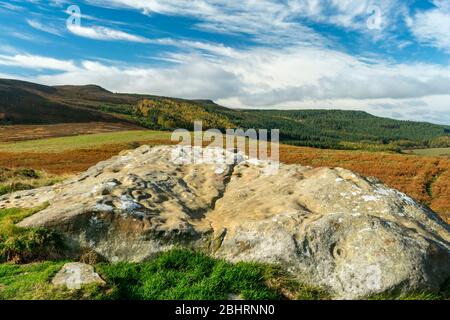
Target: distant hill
(29, 103)
(349, 129)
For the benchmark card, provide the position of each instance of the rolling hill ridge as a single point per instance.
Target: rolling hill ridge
(29, 103)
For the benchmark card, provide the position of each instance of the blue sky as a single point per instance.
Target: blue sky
(387, 57)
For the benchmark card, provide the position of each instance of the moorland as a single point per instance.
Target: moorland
(48, 134)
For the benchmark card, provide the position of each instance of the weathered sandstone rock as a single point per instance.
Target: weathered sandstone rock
(330, 227)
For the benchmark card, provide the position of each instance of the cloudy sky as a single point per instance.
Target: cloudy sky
(387, 57)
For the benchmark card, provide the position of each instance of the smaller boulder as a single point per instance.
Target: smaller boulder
(74, 275)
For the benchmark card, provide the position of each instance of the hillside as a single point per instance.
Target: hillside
(339, 129)
(28, 103)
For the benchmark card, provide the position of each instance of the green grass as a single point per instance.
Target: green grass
(25, 244)
(33, 282)
(175, 275)
(417, 296)
(12, 180)
(82, 141)
(433, 152)
(186, 275)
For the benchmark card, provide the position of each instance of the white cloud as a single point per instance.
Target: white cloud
(10, 6)
(103, 33)
(271, 21)
(216, 49)
(350, 14)
(432, 27)
(43, 27)
(195, 79)
(5, 48)
(292, 67)
(294, 77)
(37, 62)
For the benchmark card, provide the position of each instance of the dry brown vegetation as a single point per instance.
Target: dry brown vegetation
(32, 132)
(67, 162)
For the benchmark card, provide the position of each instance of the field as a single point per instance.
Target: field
(88, 141)
(33, 132)
(425, 178)
(434, 152)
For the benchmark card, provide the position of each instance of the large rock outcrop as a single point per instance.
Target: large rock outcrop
(330, 227)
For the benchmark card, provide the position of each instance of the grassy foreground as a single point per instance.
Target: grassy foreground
(21, 245)
(29, 261)
(30, 257)
(174, 275)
